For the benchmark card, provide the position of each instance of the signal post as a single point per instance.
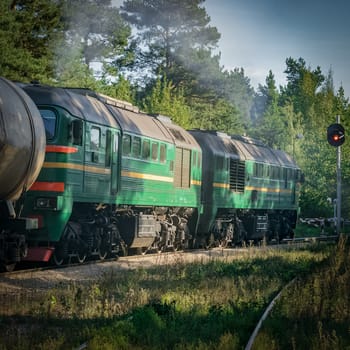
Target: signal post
(336, 137)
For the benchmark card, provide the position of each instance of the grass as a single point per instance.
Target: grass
(213, 305)
(315, 311)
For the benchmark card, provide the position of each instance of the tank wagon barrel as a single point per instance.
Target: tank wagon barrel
(22, 151)
(22, 141)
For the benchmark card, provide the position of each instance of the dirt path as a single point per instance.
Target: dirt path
(46, 279)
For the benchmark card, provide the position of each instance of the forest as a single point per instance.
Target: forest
(163, 57)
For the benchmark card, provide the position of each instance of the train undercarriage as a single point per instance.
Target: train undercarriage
(97, 231)
(12, 249)
(13, 246)
(238, 227)
(101, 231)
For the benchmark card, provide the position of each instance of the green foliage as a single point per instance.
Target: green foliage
(174, 40)
(94, 33)
(302, 85)
(72, 72)
(28, 31)
(295, 120)
(217, 115)
(122, 89)
(238, 91)
(165, 99)
(96, 28)
(314, 312)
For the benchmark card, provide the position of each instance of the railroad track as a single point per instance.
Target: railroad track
(25, 270)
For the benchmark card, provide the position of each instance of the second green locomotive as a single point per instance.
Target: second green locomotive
(249, 191)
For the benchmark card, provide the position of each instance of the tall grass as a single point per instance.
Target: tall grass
(212, 305)
(315, 312)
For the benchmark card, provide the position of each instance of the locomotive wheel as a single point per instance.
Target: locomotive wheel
(180, 246)
(81, 256)
(102, 251)
(223, 243)
(123, 249)
(210, 242)
(59, 256)
(7, 267)
(160, 248)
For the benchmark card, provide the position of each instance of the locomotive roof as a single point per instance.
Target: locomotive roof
(84, 107)
(250, 149)
(242, 147)
(97, 108)
(218, 145)
(152, 126)
(156, 126)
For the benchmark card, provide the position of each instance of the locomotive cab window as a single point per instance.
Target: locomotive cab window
(95, 138)
(162, 153)
(49, 119)
(136, 147)
(154, 150)
(126, 145)
(146, 149)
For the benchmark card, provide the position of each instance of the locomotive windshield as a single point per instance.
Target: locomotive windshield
(49, 118)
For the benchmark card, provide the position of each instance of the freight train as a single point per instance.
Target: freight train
(115, 179)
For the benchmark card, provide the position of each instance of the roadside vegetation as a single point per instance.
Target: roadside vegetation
(314, 313)
(213, 305)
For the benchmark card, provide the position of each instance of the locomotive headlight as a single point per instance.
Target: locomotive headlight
(50, 203)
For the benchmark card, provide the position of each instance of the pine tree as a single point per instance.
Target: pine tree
(174, 40)
(29, 30)
(167, 100)
(238, 91)
(95, 34)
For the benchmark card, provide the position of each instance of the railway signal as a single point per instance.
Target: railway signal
(336, 137)
(336, 134)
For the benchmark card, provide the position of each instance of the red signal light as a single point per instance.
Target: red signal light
(336, 135)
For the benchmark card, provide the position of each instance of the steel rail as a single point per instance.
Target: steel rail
(265, 314)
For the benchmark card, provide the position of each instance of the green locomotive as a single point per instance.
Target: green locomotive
(250, 191)
(113, 179)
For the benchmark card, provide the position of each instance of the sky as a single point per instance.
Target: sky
(259, 35)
